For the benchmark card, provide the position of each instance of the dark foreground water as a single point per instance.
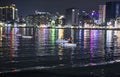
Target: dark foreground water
(25, 49)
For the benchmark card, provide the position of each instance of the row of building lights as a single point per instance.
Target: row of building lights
(72, 16)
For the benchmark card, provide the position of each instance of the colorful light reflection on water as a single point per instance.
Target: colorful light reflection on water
(94, 47)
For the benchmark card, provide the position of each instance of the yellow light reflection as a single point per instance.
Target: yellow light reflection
(0, 36)
(12, 43)
(60, 53)
(60, 33)
(0, 33)
(118, 37)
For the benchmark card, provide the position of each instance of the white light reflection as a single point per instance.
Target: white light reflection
(109, 38)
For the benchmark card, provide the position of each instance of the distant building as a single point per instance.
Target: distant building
(61, 20)
(94, 16)
(112, 10)
(38, 18)
(84, 17)
(102, 12)
(8, 13)
(72, 16)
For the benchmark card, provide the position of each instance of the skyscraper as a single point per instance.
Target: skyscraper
(102, 11)
(72, 16)
(112, 10)
(38, 18)
(8, 13)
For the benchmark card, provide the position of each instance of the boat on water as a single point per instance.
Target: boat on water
(68, 44)
(61, 41)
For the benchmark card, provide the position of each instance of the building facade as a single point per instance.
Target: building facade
(72, 16)
(112, 10)
(8, 13)
(102, 14)
(38, 18)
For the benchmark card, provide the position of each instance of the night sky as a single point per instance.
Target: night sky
(27, 7)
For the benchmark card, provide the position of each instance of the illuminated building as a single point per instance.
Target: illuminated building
(30, 20)
(94, 16)
(8, 13)
(38, 18)
(72, 16)
(112, 10)
(84, 18)
(102, 10)
(61, 20)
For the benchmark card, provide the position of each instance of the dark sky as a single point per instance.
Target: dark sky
(27, 7)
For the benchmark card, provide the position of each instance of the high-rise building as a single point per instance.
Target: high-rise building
(38, 18)
(102, 11)
(72, 16)
(112, 10)
(8, 13)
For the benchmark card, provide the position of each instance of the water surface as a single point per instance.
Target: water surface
(36, 48)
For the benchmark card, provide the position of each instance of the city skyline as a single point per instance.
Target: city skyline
(26, 7)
